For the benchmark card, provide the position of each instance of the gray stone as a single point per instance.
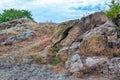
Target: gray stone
(74, 63)
(93, 61)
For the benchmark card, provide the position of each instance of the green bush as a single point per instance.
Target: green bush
(114, 9)
(113, 12)
(12, 14)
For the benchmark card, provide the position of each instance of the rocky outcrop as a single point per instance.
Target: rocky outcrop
(16, 30)
(68, 32)
(94, 64)
(15, 22)
(87, 46)
(99, 39)
(62, 31)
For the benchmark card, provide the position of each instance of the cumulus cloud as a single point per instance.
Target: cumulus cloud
(55, 10)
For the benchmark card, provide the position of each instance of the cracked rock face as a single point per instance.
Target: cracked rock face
(94, 38)
(68, 32)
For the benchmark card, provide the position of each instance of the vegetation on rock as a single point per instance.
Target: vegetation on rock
(55, 49)
(54, 61)
(114, 9)
(12, 14)
(113, 13)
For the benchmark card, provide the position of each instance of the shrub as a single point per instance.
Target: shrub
(12, 14)
(113, 12)
(114, 9)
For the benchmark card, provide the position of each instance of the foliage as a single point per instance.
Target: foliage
(55, 49)
(114, 9)
(12, 14)
(113, 12)
(54, 61)
(118, 31)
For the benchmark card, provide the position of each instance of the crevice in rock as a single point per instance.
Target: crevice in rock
(64, 35)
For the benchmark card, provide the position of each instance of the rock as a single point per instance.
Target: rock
(2, 38)
(94, 45)
(16, 30)
(117, 20)
(118, 43)
(94, 20)
(97, 40)
(15, 22)
(16, 38)
(9, 42)
(62, 31)
(114, 66)
(64, 53)
(74, 63)
(68, 32)
(95, 60)
(43, 55)
(72, 36)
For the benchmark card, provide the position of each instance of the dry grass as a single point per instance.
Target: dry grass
(30, 46)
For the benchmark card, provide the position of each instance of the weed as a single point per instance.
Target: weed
(54, 61)
(55, 49)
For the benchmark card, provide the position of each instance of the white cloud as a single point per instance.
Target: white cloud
(51, 7)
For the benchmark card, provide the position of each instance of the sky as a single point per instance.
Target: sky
(56, 10)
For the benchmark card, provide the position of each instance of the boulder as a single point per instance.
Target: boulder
(94, 64)
(62, 31)
(94, 60)
(99, 39)
(114, 66)
(74, 63)
(84, 64)
(73, 35)
(65, 52)
(68, 32)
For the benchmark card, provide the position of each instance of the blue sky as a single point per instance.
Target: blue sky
(55, 10)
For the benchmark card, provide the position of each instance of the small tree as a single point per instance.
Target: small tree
(113, 12)
(114, 9)
(12, 14)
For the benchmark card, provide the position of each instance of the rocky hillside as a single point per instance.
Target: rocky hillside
(81, 49)
(86, 47)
